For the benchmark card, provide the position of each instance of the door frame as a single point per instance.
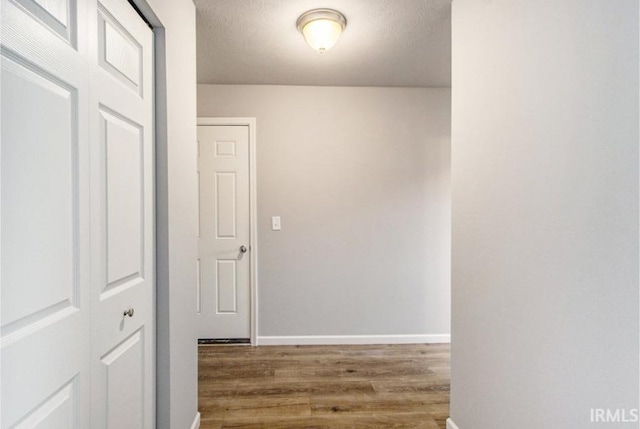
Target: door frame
(253, 212)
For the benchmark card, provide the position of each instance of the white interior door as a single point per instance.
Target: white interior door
(45, 216)
(224, 304)
(123, 276)
(76, 239)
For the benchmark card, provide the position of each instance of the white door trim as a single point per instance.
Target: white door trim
(253, 212)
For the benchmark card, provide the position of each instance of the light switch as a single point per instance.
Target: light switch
(275, 223)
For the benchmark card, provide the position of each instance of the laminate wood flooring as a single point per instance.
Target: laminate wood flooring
(294, 387)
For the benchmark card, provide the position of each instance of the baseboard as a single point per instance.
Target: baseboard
(300, 340)
(451, 424)
(196, 422)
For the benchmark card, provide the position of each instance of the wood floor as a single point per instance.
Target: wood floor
(289, 387)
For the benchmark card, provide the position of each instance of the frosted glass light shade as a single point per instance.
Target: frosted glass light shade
(322, 34)
(321, 28)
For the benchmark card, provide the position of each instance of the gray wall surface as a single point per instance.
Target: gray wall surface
(176, 201)
(545, 212)
(361, 180)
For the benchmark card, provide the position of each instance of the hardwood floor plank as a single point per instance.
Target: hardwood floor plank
(211, 424)
(354, 371)
(414, 403)
(377, 404)
(226, 408)
(209, 388)
(418, 421)
(440, 413)
(432, 384)
(226, 373)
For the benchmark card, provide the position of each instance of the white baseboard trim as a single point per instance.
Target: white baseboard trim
(196, 422)
(300, 340)
(451, 424)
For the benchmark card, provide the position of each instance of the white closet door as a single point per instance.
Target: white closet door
(44, 238)
(76, 241)
(123, 274)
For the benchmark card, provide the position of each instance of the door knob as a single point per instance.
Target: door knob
(243, 249)
(129, 312)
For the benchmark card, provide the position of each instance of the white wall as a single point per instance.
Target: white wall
(360, 178)
(545, 212)
(176, 165)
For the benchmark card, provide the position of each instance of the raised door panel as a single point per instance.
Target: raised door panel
(58, 16)
(39, 197)
(122, 145)
(56, 412)
(119, 52)
(226, 213)
(123, 370)
(226, 286)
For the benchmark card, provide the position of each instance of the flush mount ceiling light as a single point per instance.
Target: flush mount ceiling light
(321, 28)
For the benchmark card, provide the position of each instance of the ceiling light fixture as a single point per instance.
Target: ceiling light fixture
(321, 28)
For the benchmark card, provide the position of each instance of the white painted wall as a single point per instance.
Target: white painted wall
(545, 212)
(360, 178)
(176, 149)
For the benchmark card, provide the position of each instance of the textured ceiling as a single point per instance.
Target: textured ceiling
(386, 43)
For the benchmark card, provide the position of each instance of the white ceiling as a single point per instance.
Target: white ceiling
(386, 43)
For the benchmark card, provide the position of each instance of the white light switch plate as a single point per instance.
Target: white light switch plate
(275, 223)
